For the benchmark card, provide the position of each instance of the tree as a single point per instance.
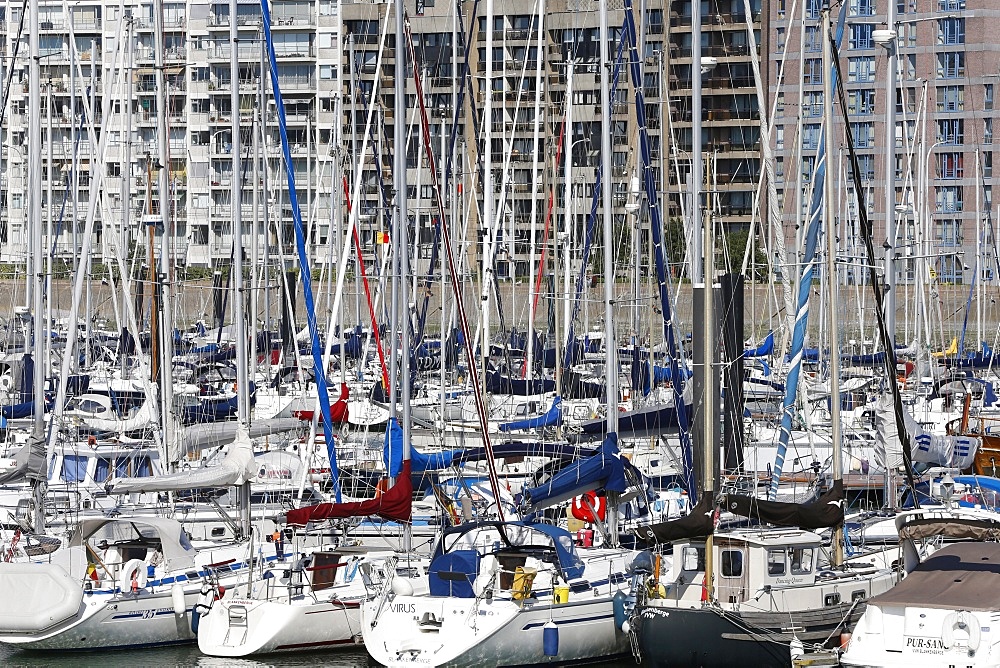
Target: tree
(736, 244)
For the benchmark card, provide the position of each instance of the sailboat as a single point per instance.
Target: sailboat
(754, 596)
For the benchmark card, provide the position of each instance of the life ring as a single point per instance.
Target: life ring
(585, 505)
(6, 382)
(961, 620)
(132, 576)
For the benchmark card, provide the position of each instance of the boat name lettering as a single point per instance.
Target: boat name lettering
(925, 645)
(789, 581)
(405, 608)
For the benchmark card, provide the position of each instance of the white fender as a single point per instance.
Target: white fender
(177, 597)
(132, 575)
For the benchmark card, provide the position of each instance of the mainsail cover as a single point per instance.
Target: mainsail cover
(604, 470)
(699, 522)
(29, 462)
(394, 505)
(237, 468)
(952, 451)
(826, 511)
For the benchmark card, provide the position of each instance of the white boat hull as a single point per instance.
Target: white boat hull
(242, 627)
(491, 632)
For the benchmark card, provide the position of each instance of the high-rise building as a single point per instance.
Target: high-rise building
(940, 169)
(98, 77)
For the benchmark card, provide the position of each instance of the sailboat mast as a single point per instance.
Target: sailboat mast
(163, 280)
(611, 347)
(831, 273)
(239, 328)
(34, 216)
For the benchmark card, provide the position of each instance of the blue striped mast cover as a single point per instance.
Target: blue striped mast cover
(809, 261)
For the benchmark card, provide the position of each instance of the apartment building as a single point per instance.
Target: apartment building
(331, 66)
(941, 166)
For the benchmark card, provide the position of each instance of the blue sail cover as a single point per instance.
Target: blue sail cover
(552, 417)
(392, 453)
(764, 349)
(604, 470)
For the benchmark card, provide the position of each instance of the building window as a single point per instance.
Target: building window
(951, 131)
(951, 65)
(779, 39)
(861, 69)
(814, 39)
(987, 164)
(861, 36)
(951, 5)
(813, 8)
(779, 137)
(951, 30)
(861, 8)
(950, 166)
(812, 105)
(988, 131)
(810, 136)
(861, 102)
(948, 232)
(866, 168)
(988, 97)
(948, 199)
(813, 71)
(950, 98)
(910, 66)
(864, 134)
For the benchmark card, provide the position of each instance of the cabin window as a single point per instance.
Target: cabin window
(732, 563)
(801, 561)
(775, 562)
(74, 468)
(693, 559)
(102, 470)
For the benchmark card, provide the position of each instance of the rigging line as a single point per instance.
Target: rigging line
(550, 205)
(10, 82)
(452, 140)
(320, 375)
(368, 294)
(591, 225)
(456, 287)
(887, 337)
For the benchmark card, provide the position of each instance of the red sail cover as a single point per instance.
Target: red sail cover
(395, 505)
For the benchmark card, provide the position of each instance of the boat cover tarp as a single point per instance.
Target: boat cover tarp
(699, 522)
(452, 574)
(551, 418)
(518, 534)
(764, 349)
(394, 505)
(392, 453)
(952, 451)
(143, 418)
(959, 576)
(237, 468)
(198, 437)
(561, 451)
(22, 410)
(29, 462)
(497, 383)
(826, 511)
(603, 470)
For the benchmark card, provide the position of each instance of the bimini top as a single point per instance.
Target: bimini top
(520, 536)
(165, 534)
(959, 576)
